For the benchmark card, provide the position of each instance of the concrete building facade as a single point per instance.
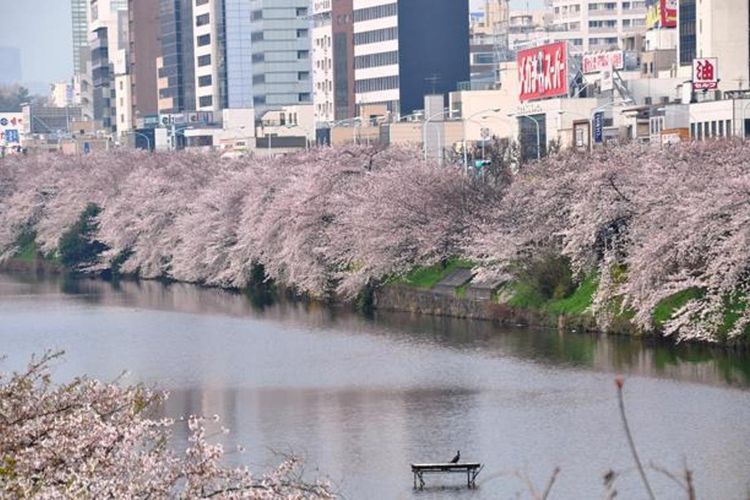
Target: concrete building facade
(143, 50)
(175, 63)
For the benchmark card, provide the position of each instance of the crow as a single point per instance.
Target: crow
(456, 458)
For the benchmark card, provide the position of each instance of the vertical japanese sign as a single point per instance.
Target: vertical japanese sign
(599, 127)
(543, 71)
(705, 73)
(661, 13)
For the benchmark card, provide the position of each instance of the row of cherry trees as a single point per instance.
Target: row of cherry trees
(330, 221)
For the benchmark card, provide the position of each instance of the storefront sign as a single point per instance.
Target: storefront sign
(543, 71)
(595, 63)
(705, 73)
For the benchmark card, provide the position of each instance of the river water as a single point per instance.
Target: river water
(361, 398)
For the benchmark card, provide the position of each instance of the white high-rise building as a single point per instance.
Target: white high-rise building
(593, 25)
(210, 70)
(322, 62)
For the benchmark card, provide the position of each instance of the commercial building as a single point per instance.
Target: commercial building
(142, 52)
(723, 31)
(175, 63)
(208, 54)
(596, 25)
(79, 18)
(400, 55)
(333, 60)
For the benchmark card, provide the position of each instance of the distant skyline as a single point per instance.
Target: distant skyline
(42, 30)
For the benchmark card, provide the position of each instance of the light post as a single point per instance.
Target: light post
(469, 118)
(538, 133)
(424, 130)
(148, 141)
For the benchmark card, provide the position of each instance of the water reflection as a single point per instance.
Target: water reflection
(696, 363)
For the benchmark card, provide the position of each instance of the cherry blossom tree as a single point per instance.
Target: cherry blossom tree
(87, 438)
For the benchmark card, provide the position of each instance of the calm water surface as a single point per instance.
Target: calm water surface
(362, 398)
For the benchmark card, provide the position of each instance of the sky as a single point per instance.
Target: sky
(42, 30)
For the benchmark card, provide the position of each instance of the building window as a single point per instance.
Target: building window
(302, 33)
(256, 36)
(259, 78)
(303, 76)
(259, 57)
(202, 20)
(204, 60)
(259, 99)
(303, 54)
(380, 59)
(376, 12)
(375, 36)
(204, 40)
(256, 15)
(301, 11)
(198, 3)
(376, 84)
(206, 100)
(204, 81)
(304, 97)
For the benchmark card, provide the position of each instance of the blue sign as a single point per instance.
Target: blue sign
(86, 148)
(599, 127)
(11, 135)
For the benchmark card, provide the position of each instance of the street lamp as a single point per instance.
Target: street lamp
(469, 118)
(148, 141)
(538, 134)
(424, 130)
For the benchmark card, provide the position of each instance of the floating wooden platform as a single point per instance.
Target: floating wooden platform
(471, 469)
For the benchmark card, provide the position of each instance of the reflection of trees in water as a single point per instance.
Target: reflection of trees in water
(648, 357)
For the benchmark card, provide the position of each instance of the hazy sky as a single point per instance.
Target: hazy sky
(42, 30)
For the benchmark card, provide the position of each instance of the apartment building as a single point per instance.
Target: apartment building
(333, 60)
(143, 50)
(79, 18)
(593, 25)
(722, 30)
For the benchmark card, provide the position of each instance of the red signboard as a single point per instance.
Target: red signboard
(668, 13)
(543, 71)
(705, 73)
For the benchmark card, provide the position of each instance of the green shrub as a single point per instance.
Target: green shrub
(77, 246)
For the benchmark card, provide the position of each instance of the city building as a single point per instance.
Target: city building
(143, 51)
(79, 18)
(596, 25)
(333, 60)
(280, 46)
(108, 23)
(209, 55)
(175, 63)
(723, 32)
(61, 94)
(399, 57)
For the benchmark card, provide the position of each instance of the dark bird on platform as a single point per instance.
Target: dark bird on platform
(457, 457)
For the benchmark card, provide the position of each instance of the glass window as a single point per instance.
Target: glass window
(713, 129)
(204, 40)
(204, 60)
(206, 100)
(721, 128)
(202, 20)
(204, 81)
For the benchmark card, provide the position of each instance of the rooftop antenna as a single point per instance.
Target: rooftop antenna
(433, 81)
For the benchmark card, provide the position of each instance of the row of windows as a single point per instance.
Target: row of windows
(610, 23)
(376, 84)
(259, 57)
(376, 12)
(375, 60)
(704, 130)
(375, 36)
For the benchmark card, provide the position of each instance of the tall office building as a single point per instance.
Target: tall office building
(281, 61)
(108, 23)
(175, 63)
(143, 50)
(79, 17)
(209, 55)
(596, 25)
(406, 49)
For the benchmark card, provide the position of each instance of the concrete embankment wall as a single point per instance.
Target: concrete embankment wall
(404, 298)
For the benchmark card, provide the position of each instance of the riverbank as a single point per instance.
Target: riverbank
(425, 297)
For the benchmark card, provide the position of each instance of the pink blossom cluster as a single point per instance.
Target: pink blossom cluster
(89, 439)
(649, 222)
